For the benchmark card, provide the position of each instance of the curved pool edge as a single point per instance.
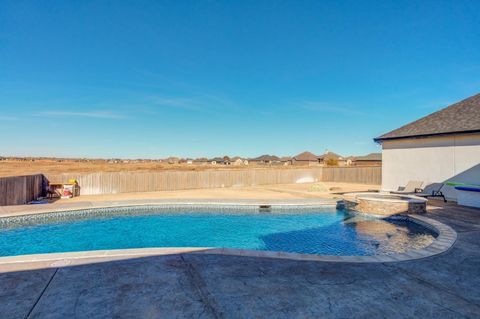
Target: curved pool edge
(446, 238)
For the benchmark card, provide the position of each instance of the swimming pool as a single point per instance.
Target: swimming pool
(321, 230)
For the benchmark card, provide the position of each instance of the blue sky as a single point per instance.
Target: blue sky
(148, 79)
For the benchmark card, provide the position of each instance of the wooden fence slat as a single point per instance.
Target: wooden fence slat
(18, 190)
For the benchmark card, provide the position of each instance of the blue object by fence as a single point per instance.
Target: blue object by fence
(468, 188)
(36, 202)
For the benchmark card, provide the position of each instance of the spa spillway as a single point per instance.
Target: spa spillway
(385, 204)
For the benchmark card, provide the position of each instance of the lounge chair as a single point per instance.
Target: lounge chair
(411, 187)
(432, 190)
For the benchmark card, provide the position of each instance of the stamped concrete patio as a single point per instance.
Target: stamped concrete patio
(216, 286)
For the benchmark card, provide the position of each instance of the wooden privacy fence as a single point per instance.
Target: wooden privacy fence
(127, 182)
(20, 190)
(364, 175)
(23, 189)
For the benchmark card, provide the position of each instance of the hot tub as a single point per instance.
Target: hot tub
(385, 204)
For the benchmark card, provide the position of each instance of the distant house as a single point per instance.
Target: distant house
(372, 159)
(443, 146)
(266, 160)
(286, 160)
(237, 161)
(172, 160)
(349, 160)
(331, 158)
(216, 161)
(226, 160)
(201, 161)
(305, 158)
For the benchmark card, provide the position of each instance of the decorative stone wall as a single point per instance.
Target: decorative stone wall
(384, 206)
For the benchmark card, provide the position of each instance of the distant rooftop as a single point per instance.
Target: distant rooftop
(461, 117)
(329, 155)
(369, 157)
(305, 156)
(266, 158)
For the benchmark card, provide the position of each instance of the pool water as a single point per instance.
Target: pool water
(326, 231)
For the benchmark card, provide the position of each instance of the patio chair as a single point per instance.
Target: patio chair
(411, 187)
(432, 190)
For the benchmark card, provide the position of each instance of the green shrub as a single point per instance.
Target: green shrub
(332, 162)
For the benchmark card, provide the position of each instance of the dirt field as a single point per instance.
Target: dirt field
(17, 168)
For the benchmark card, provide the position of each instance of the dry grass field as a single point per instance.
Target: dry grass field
(47, 166)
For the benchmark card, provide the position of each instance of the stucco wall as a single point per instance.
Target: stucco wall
(435, 159)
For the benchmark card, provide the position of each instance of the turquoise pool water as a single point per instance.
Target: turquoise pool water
(326, 231)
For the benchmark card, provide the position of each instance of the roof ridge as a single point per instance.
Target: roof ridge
(462, 116)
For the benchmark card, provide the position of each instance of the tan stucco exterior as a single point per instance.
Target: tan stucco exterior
(433, 159)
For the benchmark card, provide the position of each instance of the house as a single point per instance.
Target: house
(237, 161)
(331, 158)
(286, 160)
(443, 146)
(372, 159)
(349, 160)
(305, 158)
(201, 161)
(226, 160)
(216, 160)
(172, 160)
(266, 160)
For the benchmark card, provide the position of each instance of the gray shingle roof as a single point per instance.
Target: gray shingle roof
(369, 157)
(461, 117)
(305, 156)
(266, 158)
(329, 155)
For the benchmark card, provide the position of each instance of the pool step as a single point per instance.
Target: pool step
(265, 208)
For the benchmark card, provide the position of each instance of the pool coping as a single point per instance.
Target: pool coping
(402, 198)
(446, 238)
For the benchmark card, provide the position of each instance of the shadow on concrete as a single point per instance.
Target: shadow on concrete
(218, 286)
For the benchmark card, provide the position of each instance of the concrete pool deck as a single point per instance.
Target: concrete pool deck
(221, 286)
